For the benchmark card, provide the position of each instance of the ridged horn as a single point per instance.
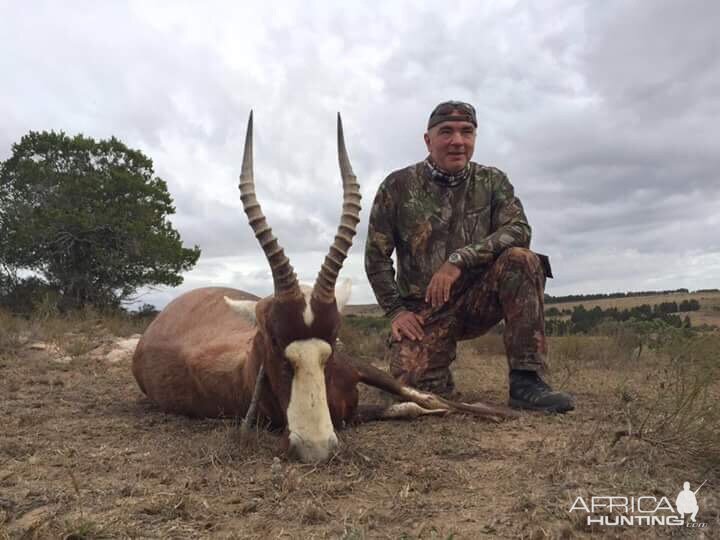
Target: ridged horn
(284, 278)
(324, 289)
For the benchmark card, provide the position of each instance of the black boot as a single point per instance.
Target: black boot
(529, 391)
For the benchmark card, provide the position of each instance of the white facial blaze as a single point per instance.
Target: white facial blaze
(308, 315)
(308, 415)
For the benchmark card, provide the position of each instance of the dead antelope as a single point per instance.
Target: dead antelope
(212, 350)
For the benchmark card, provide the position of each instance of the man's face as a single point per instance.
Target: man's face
(451, 144)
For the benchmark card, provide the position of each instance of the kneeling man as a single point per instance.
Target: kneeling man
(462, 242)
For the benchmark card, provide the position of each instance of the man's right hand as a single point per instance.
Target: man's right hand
(407, 324)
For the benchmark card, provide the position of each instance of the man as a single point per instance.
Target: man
(686, 502)
(462, 240)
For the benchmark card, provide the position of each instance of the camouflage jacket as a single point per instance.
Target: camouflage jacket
(425, 221)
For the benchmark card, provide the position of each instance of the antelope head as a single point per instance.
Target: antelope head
(299, 325)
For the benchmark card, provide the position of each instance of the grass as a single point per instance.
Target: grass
(677, 409)
(75, 334)
(674, 408)
(11, 332)
(83, 529)
(365, 336)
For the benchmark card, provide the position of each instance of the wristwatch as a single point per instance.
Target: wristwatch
(455, 259)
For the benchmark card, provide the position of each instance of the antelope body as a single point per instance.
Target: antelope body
(213, 351)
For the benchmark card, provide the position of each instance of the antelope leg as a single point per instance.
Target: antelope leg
(396, 411)
(377, 378)
(407, 409)
(251, 414)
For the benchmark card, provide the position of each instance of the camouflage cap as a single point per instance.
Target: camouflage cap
(452, 111)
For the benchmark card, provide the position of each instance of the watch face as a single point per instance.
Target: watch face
(454, 258)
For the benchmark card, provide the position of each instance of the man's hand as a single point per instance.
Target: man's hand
(409, 325)
(438, 292)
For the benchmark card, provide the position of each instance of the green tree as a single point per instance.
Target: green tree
(89, 218)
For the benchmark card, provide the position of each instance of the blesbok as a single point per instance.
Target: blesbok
(212, 350)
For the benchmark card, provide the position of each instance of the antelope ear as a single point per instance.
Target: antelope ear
(246, 308)
(342, 293)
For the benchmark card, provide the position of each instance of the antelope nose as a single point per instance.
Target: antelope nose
(333, 444)
(313, 452)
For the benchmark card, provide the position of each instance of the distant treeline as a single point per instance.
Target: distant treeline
(549, 299)
(665, 307)
(586, 321)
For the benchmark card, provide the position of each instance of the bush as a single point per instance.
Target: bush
(689, 305)
(666, 307)
(26, 295)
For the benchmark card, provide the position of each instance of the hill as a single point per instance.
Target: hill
(709, 312)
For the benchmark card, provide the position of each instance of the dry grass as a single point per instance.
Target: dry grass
(75, 334)
(84, 455)
(677, 409)
(364, 336)
(11, 332)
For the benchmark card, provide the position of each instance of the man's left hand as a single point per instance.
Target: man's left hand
(438, 291)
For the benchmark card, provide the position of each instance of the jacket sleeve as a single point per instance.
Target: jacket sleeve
(510, 227)
(378, 252)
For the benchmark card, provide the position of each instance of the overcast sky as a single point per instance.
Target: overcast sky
(603, 114)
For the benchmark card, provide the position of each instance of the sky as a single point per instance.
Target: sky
(604, 115)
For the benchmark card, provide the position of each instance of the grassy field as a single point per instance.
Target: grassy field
(708, 314)
(708, 300)
(83, 454)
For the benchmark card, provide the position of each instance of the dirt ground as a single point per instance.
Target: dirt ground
(83, 454)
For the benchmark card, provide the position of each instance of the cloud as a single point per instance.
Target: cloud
(602, 114)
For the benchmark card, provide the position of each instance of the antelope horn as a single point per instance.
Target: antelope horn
(284, 278)
(324, 289)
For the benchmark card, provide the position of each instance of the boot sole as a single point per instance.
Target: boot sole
(559, 409)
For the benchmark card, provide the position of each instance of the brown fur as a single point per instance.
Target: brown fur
(193, 358)
(200, 358)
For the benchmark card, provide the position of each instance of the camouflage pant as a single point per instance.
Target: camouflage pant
(512, 288)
